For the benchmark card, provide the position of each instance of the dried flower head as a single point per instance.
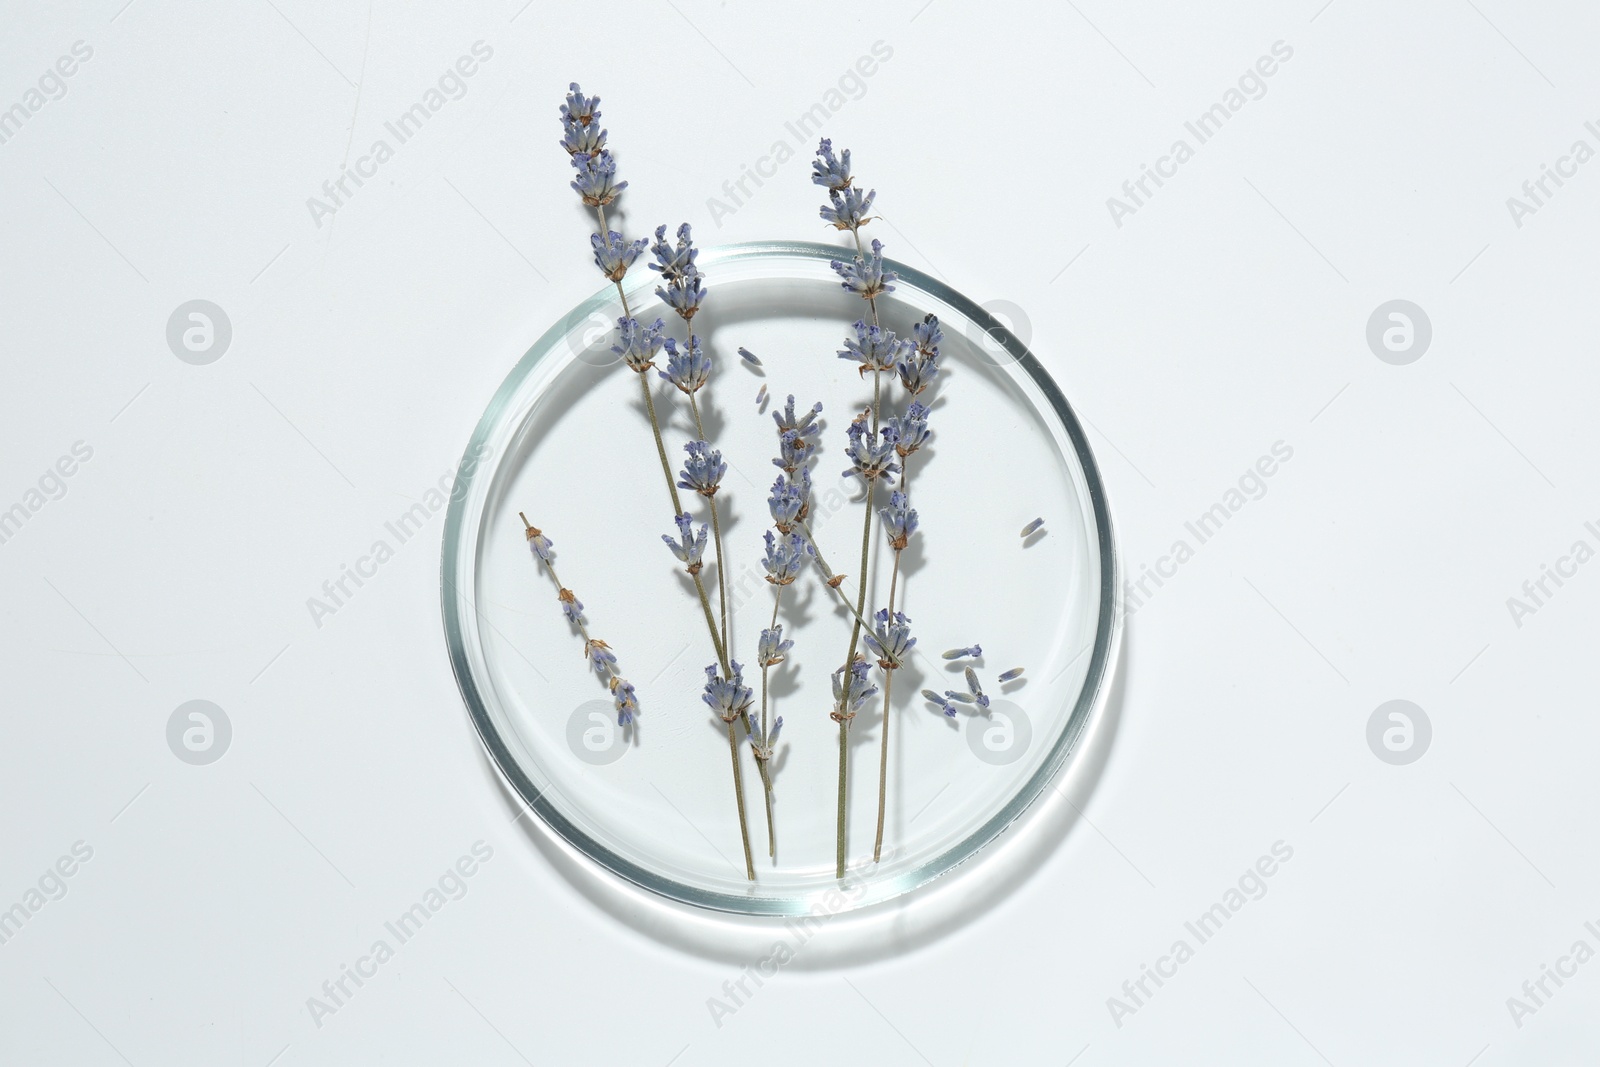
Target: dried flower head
(890, 638)
(871, 455)
(866, 275)
(703, 470)
(626, 699)
(785, 556)
(600, 655)
(688, 367)
(571, 606)
(849, 695)
(691, 546)
(613, 254)
(726, 697)
(579, 109)
(875, 348)
(674, 262)
(789, 500)
(828, 170)
(597, 181)
(793, 451)
(804, 424)
(772, 648)
(899, 520)
(847, 209)
(919, 369)
(582, 139)
(909, 432)
(637, 344)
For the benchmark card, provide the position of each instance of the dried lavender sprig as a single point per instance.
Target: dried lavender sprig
(599, 654)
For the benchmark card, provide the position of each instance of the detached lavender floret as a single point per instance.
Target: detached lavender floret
(772, 648)
(1012, 675)
(871, 456)
(909, 432)
(703, 470)
(890, 637)
(875, 348)
(790, 495)
(848, 696)
(943, 702)
(597, 178)
(727, 697)
(970, 652)
(690, 550)
(638, 345)
(866, 275)
(976, 690)
(785, 557)
(749, 357)
(613, 254)
(899, 520)
(687, 367)
(827, 170)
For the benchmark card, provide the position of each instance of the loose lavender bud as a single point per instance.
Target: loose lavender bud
(909, 432)
(703, 470)
(970, 652)
(787, 503)
(597, 178)
(637, 344)
(772, 648)
(785, 557)
(749, 357)
(600, 655)
(627, 700)
(875, 348)
(958, 696)
(674, 263)
(890, 638)
(870, 456)
(934, 698)
(691, 547)
(866, 275)
(613, 255)
(761, 396)
(571, 606)
(829, 171)
(976, 689)
(1032, 526)
(848, 696)
(805, 425)
(726, 697)
(1012, 675)
(847, 209)
(899, 520)
(687, 367)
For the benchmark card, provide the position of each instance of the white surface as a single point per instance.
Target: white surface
(1225, 315)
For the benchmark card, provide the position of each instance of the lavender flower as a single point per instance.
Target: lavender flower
(571, 606)
(849, 695)
(793, 451)
(976, 690)
(785, 557)
(749, 357)
(871, 456)
(541, 545)
(875, 348)
(684, 298)
(1012, 675)
(928, 336)
(847, 209)
(805, 425)
(772, 648)
(788, 502)
(899, 520)
(1032, 526)
(828, 170)
(943, 702)
(627, 700)
(600, 655)
(727, 697)
(703, 470)
(579, 109)
(674, 263)
(582, 139)
(687, 367)
(614, 255)
(890, 637)
(918, 371)
(764, 749)
(761, 396)
(909, 432)
(637, 344)
(691, 549)
(970, 652)
(597, 178)
(866, 275)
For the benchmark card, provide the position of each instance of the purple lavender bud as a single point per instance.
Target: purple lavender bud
(866, 275)
(541, 545)
(804, 425)
(761, 396)
(600, 655)
(848, 696)
(785, 556)
(597, 178)
(890, 638)
(687, 367)
(829, 171)
(871, 456)
(909, 432)
(970, 652)
(691, 547)
(674, 263)
(580, 139)
(703, 470)
(899, 520)
(638, 345)
(726, 697)
(788, 500)
(976, 689)
(875, 348)
(934, 698)
(918, 371)
(613, 255)
(772, 647)
(749, 357)
(580, 109)
(626, 698)
(847, 209)
(572, 607)
(1012, 675)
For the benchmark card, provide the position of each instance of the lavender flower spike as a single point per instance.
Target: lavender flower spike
(827, 170)
(875, 348)
(899, 520)
(726, 697)
(691, 550)
(909, 432)
(943, 702)
(871, 456)
(970, 652)
(684, 297)
(772, 648)
(890, 637)
(638, 345)
(866, 275)
(976, 689)
(785, 557)
(614, 255)
(703, 470)
(687, 367)
(597, 178)
(848, 696)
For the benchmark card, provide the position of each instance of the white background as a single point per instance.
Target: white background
(1226, 314)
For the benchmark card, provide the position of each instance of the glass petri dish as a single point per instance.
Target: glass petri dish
(566, 440)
